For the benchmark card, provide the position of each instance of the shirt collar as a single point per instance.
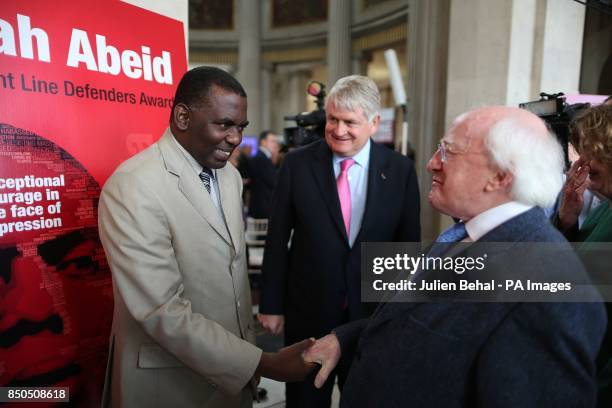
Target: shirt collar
(362, 158)
(486, 221)
(193, 163)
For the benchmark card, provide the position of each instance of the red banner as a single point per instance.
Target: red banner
(83, 86)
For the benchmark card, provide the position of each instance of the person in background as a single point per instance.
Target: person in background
(244, 152)
(591, 134)
(576, 183)
(262, 172)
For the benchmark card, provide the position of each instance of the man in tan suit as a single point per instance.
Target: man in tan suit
(171, 223)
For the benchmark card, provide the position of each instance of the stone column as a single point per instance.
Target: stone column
(427, 58)
(288, 95)
(507, 52)
(338, 40)
(249, 60)
(298, 80)
(359, 63)
(562, 47)
(266, 86)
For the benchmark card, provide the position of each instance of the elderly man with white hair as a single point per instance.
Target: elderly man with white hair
(493, 171)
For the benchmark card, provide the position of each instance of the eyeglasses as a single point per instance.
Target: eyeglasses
(449, 148)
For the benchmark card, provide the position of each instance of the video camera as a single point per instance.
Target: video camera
(553, 109)
(310, 126)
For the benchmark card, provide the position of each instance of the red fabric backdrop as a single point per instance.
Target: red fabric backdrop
(57, 147)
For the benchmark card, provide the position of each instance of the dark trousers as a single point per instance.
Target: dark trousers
(305, 395)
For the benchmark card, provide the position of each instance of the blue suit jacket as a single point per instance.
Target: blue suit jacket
(478, 354)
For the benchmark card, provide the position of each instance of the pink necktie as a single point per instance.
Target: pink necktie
(344, 193)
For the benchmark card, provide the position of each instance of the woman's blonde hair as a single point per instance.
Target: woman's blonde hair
(591, 133)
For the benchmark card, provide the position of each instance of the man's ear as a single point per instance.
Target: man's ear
(180, 116)
(500, 180)
(375, 124)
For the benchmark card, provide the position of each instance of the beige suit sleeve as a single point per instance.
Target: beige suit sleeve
(136, 236)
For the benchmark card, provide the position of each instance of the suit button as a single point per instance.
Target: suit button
(238, 304)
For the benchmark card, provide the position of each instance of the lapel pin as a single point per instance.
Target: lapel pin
(382, 176)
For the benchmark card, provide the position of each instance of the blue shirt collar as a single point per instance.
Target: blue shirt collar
(362, 158)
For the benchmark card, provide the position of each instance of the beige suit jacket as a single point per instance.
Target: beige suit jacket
(182, 324)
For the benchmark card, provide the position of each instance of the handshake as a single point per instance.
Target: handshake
(293, 363)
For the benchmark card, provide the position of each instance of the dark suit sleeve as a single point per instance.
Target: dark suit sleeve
(348, 335)
(410, 224)
(276, 253)
(570, 234)
(268, 174)
(262, 170)
(542, 354)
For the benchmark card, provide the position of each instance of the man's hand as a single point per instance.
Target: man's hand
(287, 364)
(574, 187)
(326, 351)
(272, 323)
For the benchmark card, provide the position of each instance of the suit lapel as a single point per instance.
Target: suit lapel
(324, 176)
(191, 186)
(229, 200)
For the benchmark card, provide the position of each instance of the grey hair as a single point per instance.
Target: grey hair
(535, 160)
(353, 92)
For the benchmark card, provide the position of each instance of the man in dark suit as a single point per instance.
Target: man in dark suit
(514, 354)
(262, 173)
(333, 195)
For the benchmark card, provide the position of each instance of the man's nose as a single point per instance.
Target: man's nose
(234, 136)
(435, 163)
(25, 286)
(340, 128)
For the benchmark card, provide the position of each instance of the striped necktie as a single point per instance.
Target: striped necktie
(207, 176)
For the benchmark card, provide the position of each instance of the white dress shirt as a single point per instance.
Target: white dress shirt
(197, 168)
(488, 220)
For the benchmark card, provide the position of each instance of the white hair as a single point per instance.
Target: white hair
(353, 92)
(534, 158)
